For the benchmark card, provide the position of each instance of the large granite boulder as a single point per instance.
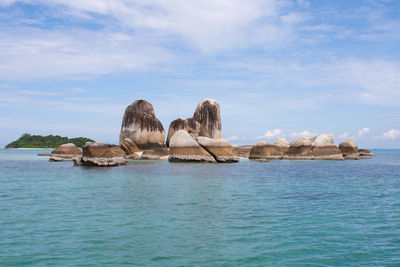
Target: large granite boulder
(300, 149)
(140, 128)
(219, 148)
(324, 147)
(349, 149)
(264, 151)
(176, 125)
(206, 121)
(243, 151)
(102, 155)
(65, 152)
(183, 147)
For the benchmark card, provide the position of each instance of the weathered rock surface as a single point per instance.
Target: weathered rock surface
(65, 152)
(282, 142)
(365, 153)
(208, 116)
(183, 147)
(320, 147)
(102, 155)
(243, 151)
(176, 125)
(154, 154)
(140, 128)
(219, 148)
(349, 149)
(264, 151)
(206, 121)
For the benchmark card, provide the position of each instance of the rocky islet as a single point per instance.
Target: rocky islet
(196, 139)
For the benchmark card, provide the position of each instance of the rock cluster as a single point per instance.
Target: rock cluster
(206, 121)
(320, 147)
(192, 148)
(350, 150)
(102, 155)
(65, 152)
(199, 138)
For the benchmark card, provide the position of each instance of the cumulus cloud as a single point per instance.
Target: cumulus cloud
(271, 134)
(344, 135)
(363, 132)
(304, 133)
(393, 134)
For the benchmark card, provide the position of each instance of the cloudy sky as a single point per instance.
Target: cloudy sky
(286, 68)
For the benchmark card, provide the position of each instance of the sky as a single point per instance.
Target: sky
(288, 68)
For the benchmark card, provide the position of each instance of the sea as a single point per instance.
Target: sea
(157, 213)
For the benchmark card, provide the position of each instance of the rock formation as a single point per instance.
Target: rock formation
(65, 152)
(102, 155)
(320, 147)
(264, 151)
(140, 128)
(219, 148)
(183, 147)
(206, 121)
(349, 149)
(243, 151)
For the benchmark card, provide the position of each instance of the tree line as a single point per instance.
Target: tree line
(51, 141)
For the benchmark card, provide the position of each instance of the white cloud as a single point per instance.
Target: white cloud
(344, 135)
(271, 134)
(233, 138)
(133, 35)
(391, 135)
(363, 132)
(304, 133)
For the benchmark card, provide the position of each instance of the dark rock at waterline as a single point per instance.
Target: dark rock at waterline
(141, 127)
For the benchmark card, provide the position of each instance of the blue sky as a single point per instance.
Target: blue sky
(277, 68)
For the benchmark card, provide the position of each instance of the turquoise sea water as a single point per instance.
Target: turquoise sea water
(156, 213)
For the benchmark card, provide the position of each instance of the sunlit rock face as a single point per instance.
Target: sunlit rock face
(320, 147)
(349, 149)
(183, 147)
(219, 148)
(140, 128)
(206, 121)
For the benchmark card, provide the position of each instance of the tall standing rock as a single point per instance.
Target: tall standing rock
(206, 121)
(208, 116)
(141, 127)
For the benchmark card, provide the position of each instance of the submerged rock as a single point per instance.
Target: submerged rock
(140, 128)
(65, 152)
(183, 147)
(206, 121)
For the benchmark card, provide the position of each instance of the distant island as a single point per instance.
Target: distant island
(51, 141)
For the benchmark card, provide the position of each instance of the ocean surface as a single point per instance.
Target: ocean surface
(156, 213)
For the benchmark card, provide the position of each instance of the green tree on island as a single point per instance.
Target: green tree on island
(51, 141)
